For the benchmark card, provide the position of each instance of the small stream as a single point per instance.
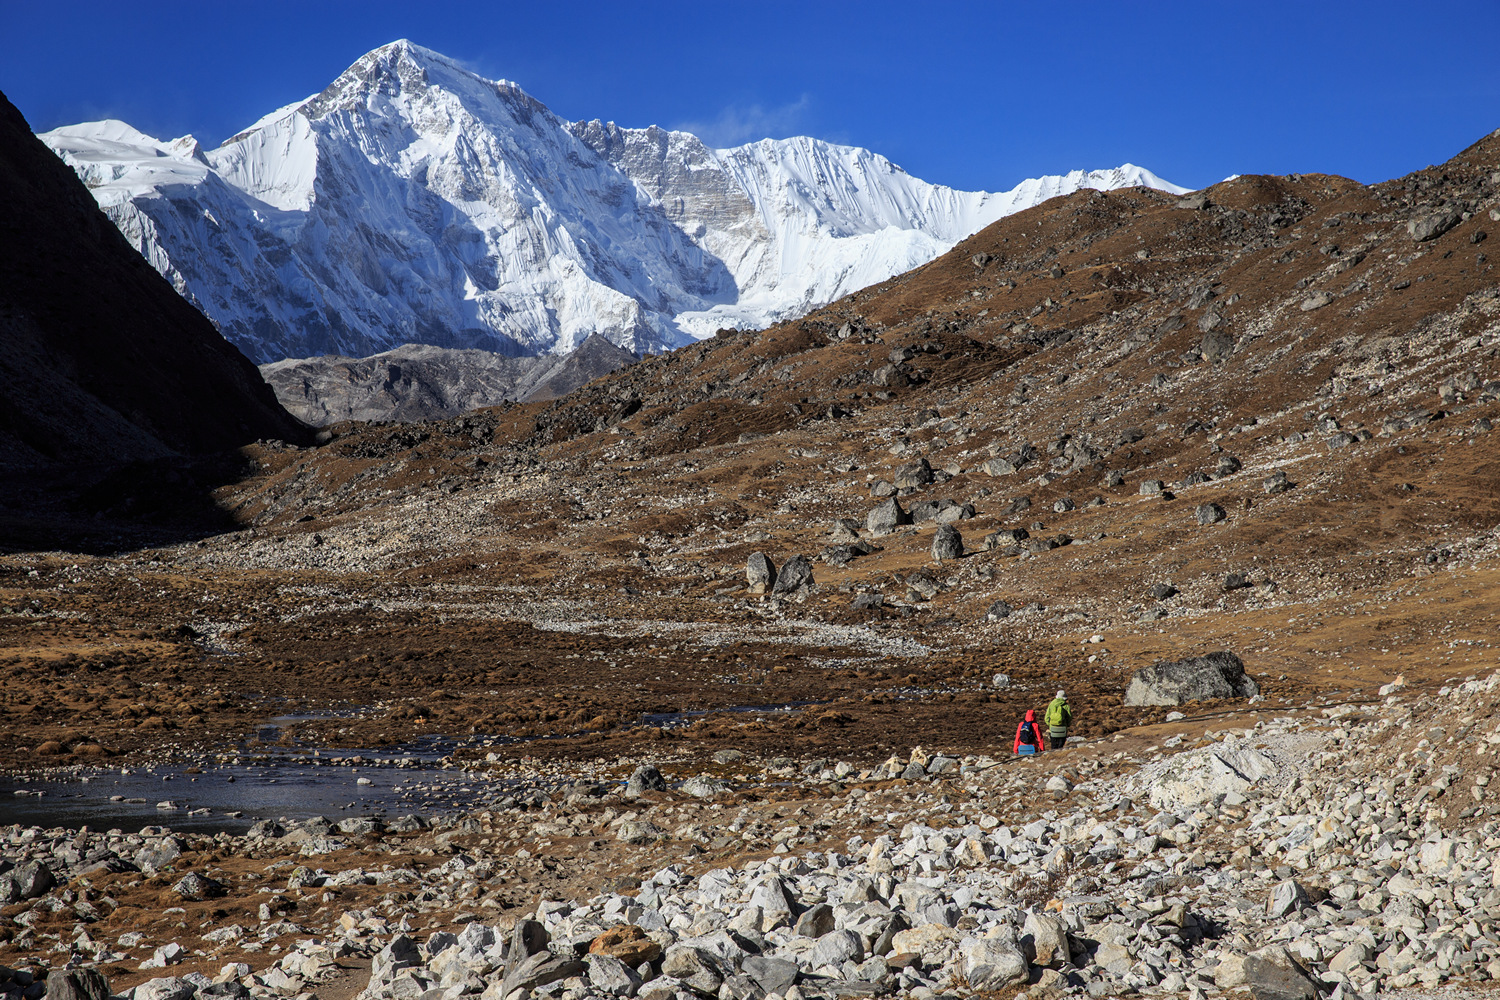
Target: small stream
(264, 779)
(260, 779)
(231, 798)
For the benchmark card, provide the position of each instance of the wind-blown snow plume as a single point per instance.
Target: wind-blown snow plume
(413, 201)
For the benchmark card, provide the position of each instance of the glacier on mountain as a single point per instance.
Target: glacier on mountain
(413, 201)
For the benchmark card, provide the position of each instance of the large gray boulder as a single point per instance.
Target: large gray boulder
(998, 467)
(1046, 939)
(845, 531)
(197, 887)
(1270, 974)
(774, 975)
(1286, 897)
(698, 967)
(158, 854)
(927, 510)
(27, 880)
(796, 574)
(1217, 344)
(167, 988)
(612, 976)
(1276, 482)
(885, 518)
(701, 786)
(992, 963)
(639, 831)
(770, 895)
(1005, 537)
(540, 969)
(77, 984)
(646, 778)
(837, 947)
(399, 954)
(815, 922)
(527, 938)
(760, 573)
(1433, 225)
(948, 512)
(1216, 675)
(914, 476)
(262, 828)
(947, 543)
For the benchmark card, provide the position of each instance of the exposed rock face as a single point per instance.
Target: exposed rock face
(1217, 675)
(594, 358)
(419, 382)
(101, 360)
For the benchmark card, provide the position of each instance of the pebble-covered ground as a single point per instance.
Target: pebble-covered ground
(1340, 852)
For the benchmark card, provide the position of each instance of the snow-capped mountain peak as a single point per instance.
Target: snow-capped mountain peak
(414, 201)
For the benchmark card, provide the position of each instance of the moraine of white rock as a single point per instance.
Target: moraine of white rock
(415, 202)
(1360, 861)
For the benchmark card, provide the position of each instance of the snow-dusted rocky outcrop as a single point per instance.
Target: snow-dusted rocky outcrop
(414, 201)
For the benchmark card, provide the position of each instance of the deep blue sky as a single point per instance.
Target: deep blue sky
(975, 95)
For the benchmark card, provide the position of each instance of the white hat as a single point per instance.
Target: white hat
(1059, 693)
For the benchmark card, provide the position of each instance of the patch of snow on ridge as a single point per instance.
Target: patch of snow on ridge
(118, 163)
(413, 201)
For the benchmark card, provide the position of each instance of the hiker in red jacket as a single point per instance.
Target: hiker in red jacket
(1028, 735)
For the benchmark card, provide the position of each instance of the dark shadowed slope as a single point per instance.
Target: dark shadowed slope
(101, 361)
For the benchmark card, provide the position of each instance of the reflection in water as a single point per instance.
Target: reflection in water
(271, 776)
(231, 797)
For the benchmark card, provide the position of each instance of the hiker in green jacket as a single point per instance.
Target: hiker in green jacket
(1058, 718)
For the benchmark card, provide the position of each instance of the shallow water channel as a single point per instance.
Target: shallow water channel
(265, 779)
(230, 791)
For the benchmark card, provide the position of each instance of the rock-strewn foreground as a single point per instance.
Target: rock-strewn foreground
(1357, 857)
